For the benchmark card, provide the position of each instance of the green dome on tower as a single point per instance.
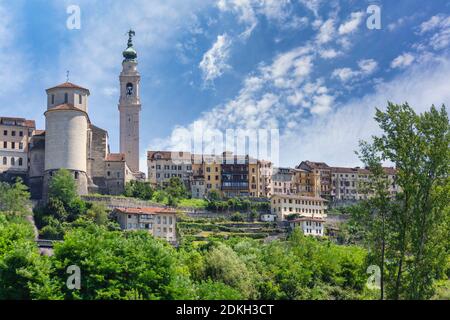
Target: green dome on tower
(130, 53)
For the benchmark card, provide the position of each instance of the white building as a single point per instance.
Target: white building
(285, 205)
(15, 136)
(309, 226)
(159, 222)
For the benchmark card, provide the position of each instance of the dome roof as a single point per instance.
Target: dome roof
(130, 53)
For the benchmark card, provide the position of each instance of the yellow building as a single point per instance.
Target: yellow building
(306, 182)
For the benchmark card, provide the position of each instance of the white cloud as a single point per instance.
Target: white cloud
(329, 53)
(366, 67)
(214, 61)
(352, 24)
(326, 32)
(440, 25)
(13, 63)
(248, 12)
(344, 74)
(402, 61)
(421, 86)
(312, 5)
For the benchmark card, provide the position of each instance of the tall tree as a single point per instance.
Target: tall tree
(418, 145)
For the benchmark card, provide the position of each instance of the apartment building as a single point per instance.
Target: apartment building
(15, 135)
(235, 176)
(309, 226)
(212, 169)
(324, 172)
(285, 205)
(159, 222)
(265, 178)
(163, 165)
(306, 182)
(345, 183)
(348, 183)
(253, 177)
(282, 181)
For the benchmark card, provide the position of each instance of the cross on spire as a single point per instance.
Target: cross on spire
(67, 75)
(131, 33)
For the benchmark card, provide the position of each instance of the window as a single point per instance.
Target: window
(20, 145)
(13, 145)
(109, 173)
(53, 98)
(80, 99)
(5, 132)
(4, 161)
(5, 144)
(13, 133)
(66, 97)
(20, 133)
(76, 175)
(13, 161)
(20, 162)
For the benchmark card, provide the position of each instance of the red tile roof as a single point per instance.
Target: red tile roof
(39, 132)
(19, 122)
(146, 210)
(65, 106)
(167, 155)
(68, 85)
(116, 157)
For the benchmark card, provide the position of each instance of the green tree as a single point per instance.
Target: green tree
(138, 189)
(24, 273)
(62, 187)
(176, 188)
(118, 265)
(14, 199)
(98, 213)
(417, 233)
(222, 264)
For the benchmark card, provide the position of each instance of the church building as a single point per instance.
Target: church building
(71, 141)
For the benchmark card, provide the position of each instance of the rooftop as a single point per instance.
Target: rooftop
(10, 121)
(146, 210)
(68, 85)
(115, 157)
(297, 197)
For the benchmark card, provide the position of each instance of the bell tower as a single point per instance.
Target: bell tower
(130, 106)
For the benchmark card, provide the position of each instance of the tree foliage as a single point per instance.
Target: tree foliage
(408, 234)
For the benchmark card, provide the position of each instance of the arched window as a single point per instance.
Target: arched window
(129, 89)
(66, 97)
(13, 161)
(20, 162)
(5, 161)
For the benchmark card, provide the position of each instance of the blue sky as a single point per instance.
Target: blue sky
(311, 69)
